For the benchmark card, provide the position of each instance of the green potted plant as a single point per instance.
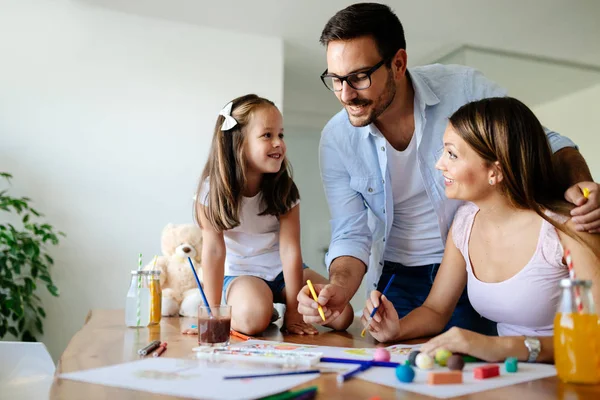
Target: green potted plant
(24, 264)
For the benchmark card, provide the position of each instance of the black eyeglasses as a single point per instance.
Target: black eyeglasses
(356, 80)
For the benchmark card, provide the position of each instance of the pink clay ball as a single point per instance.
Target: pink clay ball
(382, 354)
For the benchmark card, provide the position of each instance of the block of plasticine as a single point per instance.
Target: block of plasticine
(511, 364)
(382, 354)
(444, 377)
(423, 361)
(487, 371)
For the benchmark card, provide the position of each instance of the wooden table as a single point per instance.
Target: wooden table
(104, 340)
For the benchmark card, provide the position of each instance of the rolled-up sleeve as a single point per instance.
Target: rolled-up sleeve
(350, 233)
(479, 87)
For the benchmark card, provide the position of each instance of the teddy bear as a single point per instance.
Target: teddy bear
(180, 294)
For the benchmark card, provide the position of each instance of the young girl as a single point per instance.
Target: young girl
(505, 244)
(248, 208)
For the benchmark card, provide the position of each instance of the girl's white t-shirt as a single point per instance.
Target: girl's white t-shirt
(252, 247)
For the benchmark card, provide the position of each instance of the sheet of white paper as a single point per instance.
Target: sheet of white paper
(527, 372)
(190, 378)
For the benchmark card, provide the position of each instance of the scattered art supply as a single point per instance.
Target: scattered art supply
(470, 359)
(274, 374)
(279, 357)
(400, 349)
(455, 362)
(161, 349)
(240, 335)
(348, 375)
(149, 348)
(362, 334)
(388, 377)
(586, 193)
(314, 295)
(486, 371)
(424, 361)
(383, 364)
(511, 364)
(199, 286)
(302, 394)
(381, 354)
(412, 357)
(441, 356)
(405, 373)
(444, 377)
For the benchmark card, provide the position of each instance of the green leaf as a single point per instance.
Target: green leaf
(26, 218)
(49, 259)
(39, 325)
(28, 337)
(13, 331)
(2, 331)
(41, 312)
(53, 290)
(21, 324)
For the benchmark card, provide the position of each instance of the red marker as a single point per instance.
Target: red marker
(161, 349)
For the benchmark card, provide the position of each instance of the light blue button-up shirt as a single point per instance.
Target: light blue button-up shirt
(354, 163)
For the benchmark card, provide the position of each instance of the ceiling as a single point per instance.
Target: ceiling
(560, 29)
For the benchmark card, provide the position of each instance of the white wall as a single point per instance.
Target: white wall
(577, 117)
(105, 121)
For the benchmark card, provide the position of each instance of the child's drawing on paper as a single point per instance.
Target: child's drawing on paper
(400, 350)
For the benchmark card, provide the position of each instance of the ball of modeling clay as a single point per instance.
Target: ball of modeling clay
(405, 373)
(423, 361)
(382, 354)
(441, 356)
(412, 357)
(455, 362)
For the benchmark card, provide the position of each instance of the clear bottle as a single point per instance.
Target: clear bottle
(137, 304)
(577, 334)
(155, 297)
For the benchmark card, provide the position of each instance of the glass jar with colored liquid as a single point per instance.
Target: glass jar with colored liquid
(577, 334)
(137, 303)
(155, 298)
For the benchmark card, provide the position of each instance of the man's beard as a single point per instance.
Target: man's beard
(382, 104)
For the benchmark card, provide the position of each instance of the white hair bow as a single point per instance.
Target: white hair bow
(229, 122)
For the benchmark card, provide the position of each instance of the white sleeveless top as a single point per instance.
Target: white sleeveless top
(525, 304)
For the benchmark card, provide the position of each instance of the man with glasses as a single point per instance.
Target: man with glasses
(389, 212)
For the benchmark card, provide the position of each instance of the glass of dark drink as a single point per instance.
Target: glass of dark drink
(214, 325)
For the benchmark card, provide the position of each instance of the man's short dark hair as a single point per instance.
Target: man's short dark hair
(367, 19)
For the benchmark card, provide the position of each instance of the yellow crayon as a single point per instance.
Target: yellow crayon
(586, 192)
(314, 295)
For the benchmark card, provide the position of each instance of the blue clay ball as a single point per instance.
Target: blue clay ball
(405, 373)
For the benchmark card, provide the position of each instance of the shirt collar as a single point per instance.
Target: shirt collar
(423, 93)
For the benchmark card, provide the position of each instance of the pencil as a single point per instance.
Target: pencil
(240, 335)
(344, 377)
(586, 193)
(314, 295)
(294, 394)
(275, 374)
(364, 331)
(385, 364)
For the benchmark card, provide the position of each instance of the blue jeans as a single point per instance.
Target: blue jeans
(411, 287)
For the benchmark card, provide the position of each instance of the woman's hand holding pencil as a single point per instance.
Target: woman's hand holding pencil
(380, 317)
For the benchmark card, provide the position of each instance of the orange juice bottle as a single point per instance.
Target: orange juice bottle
(155, 298)
(577, 334)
